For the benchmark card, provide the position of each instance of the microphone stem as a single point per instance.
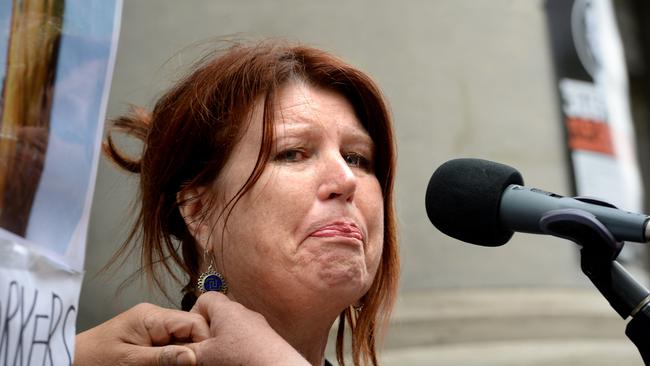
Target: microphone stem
(634, 294)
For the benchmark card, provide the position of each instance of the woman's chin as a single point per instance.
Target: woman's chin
(344, 281)
(338, 274)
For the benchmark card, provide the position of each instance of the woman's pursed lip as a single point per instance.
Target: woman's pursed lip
(339, 229)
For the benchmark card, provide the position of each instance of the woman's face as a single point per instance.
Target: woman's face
(312, 225)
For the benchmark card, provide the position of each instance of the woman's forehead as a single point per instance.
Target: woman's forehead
(301, 107)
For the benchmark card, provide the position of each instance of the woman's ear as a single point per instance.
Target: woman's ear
(191, 204)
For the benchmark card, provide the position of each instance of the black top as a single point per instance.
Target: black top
(188, 301)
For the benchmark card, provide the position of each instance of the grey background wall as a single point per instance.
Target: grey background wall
(464, 78)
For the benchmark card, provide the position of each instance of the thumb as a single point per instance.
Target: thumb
(165, 356)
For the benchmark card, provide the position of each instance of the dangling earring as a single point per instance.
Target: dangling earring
(211, 280)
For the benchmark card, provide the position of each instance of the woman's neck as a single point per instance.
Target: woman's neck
(305, 327)
(308, 336)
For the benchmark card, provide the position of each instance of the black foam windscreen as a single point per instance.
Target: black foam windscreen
(463, 199)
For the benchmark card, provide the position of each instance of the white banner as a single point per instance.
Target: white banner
(38, 308)
(56, 64)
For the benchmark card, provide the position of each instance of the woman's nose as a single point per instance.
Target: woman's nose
(338, 180)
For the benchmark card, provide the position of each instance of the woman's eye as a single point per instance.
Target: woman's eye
(358, 160)
(290, 155)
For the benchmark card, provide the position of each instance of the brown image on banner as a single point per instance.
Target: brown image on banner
(589, 135)
(25, 106)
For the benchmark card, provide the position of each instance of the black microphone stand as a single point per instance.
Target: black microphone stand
(598, 261)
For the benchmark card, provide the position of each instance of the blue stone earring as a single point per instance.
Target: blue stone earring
(212, 280)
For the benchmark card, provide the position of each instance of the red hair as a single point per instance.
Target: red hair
(191, 133)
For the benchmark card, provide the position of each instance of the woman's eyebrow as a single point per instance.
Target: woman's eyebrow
(306, 125)
(359, 135)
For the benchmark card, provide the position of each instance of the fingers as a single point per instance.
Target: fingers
(209, 304)
(164, 325)
(128, 338)
(162, 356)
(147, 325)
(216, 308)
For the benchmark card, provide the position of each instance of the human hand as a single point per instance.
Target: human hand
(142, 335)
(239, 336)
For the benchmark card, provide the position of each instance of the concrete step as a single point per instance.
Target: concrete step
(494, 315)
(566, 352)
(505, 326)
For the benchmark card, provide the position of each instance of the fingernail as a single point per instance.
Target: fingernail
(186, 358)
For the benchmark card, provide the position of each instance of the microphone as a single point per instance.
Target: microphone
(484, 203)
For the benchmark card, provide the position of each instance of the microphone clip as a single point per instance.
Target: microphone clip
(598, 253)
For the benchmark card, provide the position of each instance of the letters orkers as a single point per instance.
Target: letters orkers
(27, 332)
